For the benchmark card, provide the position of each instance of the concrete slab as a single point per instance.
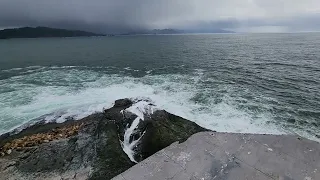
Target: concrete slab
(299, 148)
(224, 156)
(159, 166)
(119, 177)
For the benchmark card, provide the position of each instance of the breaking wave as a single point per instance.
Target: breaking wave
(57, 94)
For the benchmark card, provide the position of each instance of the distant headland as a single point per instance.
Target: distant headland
(38, 32)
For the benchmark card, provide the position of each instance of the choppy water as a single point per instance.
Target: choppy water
(255, 83)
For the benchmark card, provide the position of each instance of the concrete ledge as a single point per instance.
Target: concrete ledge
(226, 156)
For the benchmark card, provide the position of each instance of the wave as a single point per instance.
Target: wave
(282, 64)
(85, 92)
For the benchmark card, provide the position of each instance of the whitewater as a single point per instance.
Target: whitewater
(86, 92)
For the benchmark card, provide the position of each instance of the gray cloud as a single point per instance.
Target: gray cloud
(130, 15)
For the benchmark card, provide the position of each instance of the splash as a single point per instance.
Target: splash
(140, 108)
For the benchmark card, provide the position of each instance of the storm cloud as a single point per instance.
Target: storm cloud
(131, 15)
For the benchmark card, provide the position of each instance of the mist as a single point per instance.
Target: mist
(118, 16)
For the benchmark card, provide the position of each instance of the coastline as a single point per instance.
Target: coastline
(134, 140)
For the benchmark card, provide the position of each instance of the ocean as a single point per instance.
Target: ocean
(241, 83)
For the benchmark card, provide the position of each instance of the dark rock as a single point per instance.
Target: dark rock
(95, 152)
(162, 130)
(110, 158)
(123, 103)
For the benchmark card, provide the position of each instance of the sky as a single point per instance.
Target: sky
(133, 15)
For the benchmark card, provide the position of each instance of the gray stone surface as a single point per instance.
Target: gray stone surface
(226, 156)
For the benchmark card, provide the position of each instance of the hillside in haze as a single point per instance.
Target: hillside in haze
(207, 31)
(178, 31)
(166, 31)
(37, 32)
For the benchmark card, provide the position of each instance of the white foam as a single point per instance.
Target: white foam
(140, 109)
(128, 146)
(149, 71)
(130, 69)
(13, 69)
(173, 93)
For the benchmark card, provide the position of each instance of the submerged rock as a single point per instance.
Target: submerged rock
(99, 146)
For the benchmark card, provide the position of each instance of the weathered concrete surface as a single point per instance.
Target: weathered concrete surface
(224, 156)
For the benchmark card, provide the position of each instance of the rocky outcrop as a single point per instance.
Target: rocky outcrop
(99, 146)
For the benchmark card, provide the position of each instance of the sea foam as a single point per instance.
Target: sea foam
(140, 108)
(63, 93)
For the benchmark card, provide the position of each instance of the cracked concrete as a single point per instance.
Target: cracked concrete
(227, 156)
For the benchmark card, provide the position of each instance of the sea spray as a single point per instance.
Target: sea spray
(140, 109)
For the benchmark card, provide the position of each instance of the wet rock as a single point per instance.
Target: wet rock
(123, 103)
(161, 130)
(90, 146)
(9, 151)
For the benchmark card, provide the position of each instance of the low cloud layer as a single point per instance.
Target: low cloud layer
(131, 15)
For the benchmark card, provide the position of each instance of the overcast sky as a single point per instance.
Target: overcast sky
(129, 15)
